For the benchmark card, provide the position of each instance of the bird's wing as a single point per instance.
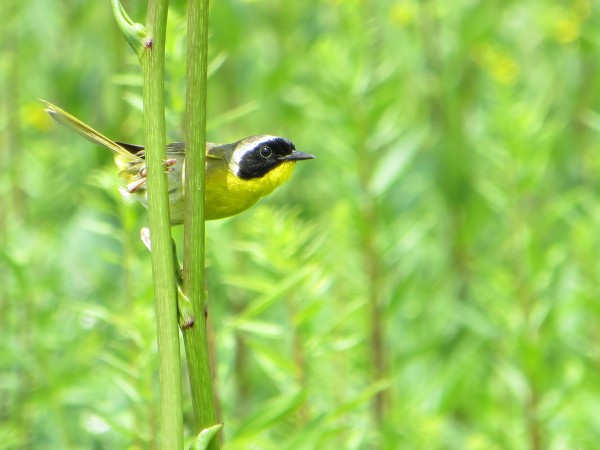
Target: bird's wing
(218, 151)
(134, 149)
(176, 147)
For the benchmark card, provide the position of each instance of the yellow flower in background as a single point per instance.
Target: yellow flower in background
(564, 24)
(498, 63)
(567, 29)
(403, 13)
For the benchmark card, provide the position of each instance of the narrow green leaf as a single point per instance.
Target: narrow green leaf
(205, 437)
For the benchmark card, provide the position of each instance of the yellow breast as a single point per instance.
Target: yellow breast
(227, 195)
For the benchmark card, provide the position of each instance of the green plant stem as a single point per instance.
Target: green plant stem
(195, 337)
(163, 269)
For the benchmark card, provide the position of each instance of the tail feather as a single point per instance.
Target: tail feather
(87, 132)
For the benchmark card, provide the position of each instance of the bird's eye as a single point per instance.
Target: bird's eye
(265, 152)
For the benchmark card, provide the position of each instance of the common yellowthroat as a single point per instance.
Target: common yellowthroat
(237, 174)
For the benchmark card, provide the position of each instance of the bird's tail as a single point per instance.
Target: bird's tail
(123, 158)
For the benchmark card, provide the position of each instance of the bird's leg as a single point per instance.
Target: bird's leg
(135, 185)
(169, 163)
(141, 180)
(184, 306)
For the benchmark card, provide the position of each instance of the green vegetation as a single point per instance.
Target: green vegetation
(151, 53)
(430, 281)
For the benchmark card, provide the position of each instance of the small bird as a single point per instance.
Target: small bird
(237, 174)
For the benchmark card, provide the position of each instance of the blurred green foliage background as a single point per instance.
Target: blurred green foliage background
(431, 281)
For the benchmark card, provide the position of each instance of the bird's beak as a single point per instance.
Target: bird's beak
(298, 156)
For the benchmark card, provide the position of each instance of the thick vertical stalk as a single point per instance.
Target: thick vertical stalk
(163, 269)
(195, 337)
